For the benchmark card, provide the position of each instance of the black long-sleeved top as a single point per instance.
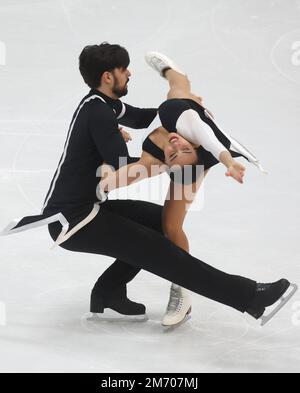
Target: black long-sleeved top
(93, 138)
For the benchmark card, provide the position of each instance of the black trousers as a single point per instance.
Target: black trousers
(131, 232)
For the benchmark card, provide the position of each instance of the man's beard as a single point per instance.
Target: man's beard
(120, 91)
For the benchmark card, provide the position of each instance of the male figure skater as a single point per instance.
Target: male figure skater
(127, 230)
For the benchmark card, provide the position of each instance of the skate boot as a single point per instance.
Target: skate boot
(267, 295)
(179, 307)
(161, 63)
(118, 308)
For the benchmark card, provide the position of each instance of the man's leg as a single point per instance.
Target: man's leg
(110, 290)
(144, 213)
(111, 287)
(112, 235)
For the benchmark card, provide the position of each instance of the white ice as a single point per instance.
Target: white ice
(243, 57)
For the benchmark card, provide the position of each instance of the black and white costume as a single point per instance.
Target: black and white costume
(191, 120)
(130, 231)
(93, 138)
(195, 123)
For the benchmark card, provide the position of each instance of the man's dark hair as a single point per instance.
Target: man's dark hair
(94, 60)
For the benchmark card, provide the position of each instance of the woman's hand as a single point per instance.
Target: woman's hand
(237, 171)
(126, 136)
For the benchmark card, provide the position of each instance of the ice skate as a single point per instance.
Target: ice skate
(118, 309)
(110, 315)
(268, 295)
(161, 63)
(179, 307)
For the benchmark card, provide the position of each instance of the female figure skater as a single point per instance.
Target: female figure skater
(203, 146)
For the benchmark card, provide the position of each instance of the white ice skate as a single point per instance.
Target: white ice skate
(179, 307)
(160, 62)
(290, 292)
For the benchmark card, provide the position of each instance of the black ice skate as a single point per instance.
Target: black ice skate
(267, 295)
(116, 309)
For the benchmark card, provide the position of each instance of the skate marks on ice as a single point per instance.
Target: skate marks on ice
(213, 329)
(248, 31)
(242, 345)
(220, 340)
(230, 327)
(151, 28)
(149, 330)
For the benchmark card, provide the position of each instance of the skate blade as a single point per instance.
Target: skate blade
(173, 327)
(183, 321)
(282, 302)
(116, 317)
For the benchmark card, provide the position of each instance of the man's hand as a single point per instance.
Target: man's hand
(237, 171)
(125, 134)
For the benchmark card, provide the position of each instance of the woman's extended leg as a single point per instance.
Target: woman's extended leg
(177, 203)
(186, 120)
(180, 86)
(179, 83)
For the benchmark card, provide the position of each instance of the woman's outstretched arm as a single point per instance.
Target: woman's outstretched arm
(192, 128)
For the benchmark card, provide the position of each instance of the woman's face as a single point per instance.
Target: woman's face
(179, 151)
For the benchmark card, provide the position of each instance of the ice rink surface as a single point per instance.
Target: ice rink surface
(243, 57)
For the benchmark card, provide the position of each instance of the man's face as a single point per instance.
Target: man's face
(120, 81)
